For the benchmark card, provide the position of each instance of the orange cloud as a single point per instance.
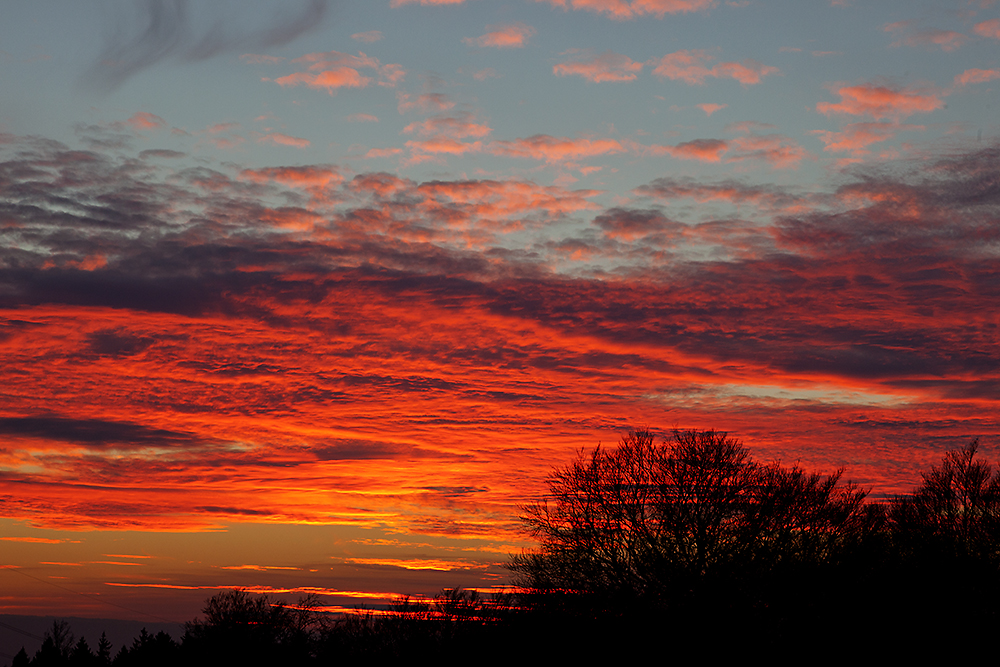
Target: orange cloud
(554, 149)
(606, 67)
(970, 76)
(989, 29)
(881, 102)
(508, 36)
(383, 152)
(622, 10)
(443, 145)
(691, 67)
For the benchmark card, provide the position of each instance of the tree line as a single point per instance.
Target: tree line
(687, 543)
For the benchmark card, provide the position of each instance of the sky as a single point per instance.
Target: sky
(312, 296)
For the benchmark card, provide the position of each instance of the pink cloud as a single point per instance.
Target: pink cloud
(691, 67)
(459, 126)
(976, 76)
(341, 77)
(257, 59)
(443, 145)
(362, 118)
(555, 149)
(779, 151)
(856, 137)
(703, 150)
(284, 140)
(946, 40)
(606, 67)
(622, 10)
(383, 152)
(367, 37)
(509, 36)
(709, 108)
(400, 3)
(332, 70)
(145, 121)
(426, 102)
(881, 102)
(989, 28)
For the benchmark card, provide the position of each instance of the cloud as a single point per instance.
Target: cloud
(506, 36)
(971, 76)
(606, 67)
(710, 108)
(283, 140)
(426, 102)
(691, 67)
(946, 40)
(383, 152)
(779, 151)
(333, 70)
(410, 318)
(989, 29)
(622, 10)
(367, 37)
(362, 118)
(555, 149)
(400, 3)
(151, 31)
(459, 126)
(142, 120)
(856, 137)
(881, 102)
(484, 74)
(703, 150)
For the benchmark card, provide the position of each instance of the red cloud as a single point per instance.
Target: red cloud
(622, 10)
(691, 67)
(989, 28)
(976, 76)
(509, 36)
(554, 149)
(606, 67)
(881, 102)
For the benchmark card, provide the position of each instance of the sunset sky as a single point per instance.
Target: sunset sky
(310, 296)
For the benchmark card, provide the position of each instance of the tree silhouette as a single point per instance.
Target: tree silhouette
(648, 523)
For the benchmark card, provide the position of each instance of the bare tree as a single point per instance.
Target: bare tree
(647, 520)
